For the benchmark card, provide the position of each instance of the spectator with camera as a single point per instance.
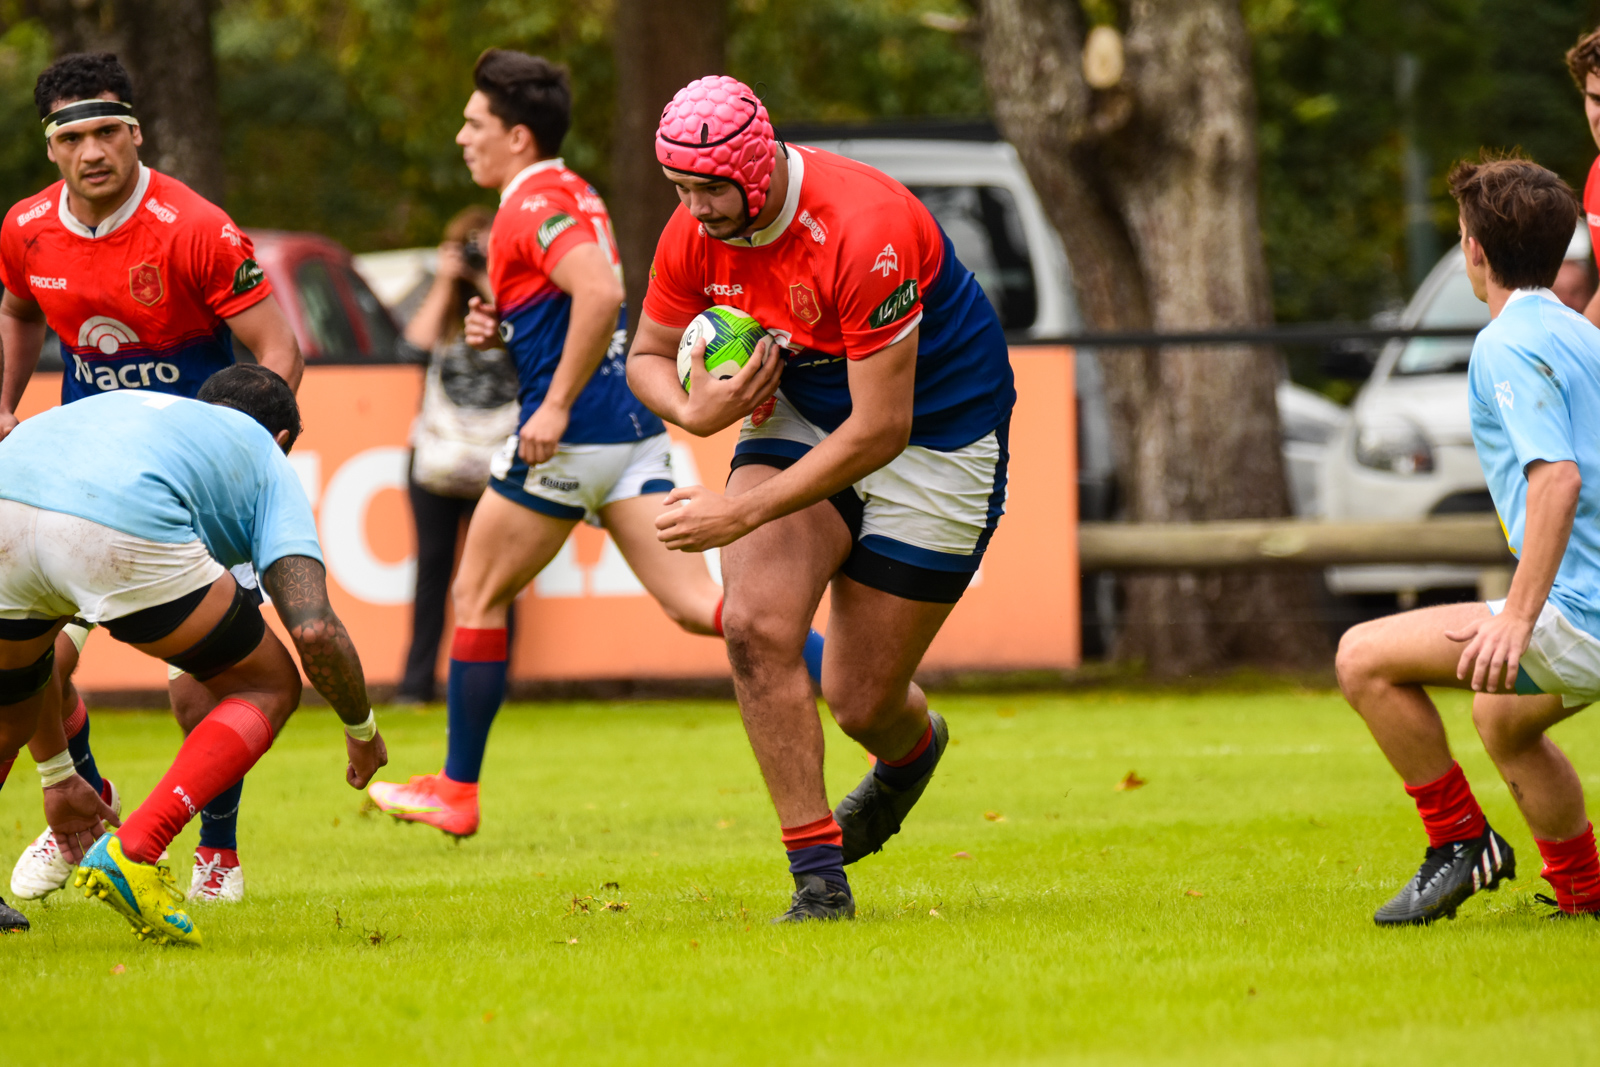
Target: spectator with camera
(469, 408)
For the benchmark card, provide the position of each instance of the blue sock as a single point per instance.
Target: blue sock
(813, 655)
(78, 745)
(817, 848)
(476, 688)
(909, 768)
(219, 820)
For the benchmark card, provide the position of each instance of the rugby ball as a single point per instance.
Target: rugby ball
(730, 335)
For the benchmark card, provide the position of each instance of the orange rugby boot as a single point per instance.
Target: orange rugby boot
(432, 799)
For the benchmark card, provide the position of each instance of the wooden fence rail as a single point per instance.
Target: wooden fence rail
(1473, 541)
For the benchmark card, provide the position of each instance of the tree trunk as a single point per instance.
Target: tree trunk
(660, 46)
(1152, 185)
(166, 45)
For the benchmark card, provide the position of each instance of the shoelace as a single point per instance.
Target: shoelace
(1435, 861)
(45, 850)
(209, 870)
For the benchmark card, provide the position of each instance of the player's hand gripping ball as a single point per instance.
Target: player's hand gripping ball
(730, 335)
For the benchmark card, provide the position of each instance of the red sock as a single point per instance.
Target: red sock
(916, 750)
(716, 618)
(73, 724)
(1448, 809)
(1573, 870)
(822, 832)
(217, 753)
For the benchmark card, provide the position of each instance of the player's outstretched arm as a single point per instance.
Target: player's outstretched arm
(22, 330)
(711, 403)
(298, 586)
(882, 387)
(264, 331)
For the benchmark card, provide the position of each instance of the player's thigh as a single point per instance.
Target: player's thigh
(1410, 648)
(680, 581)
(774, 576)
(507, 546)
(876, 641)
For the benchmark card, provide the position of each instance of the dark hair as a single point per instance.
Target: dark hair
(529, 91)
(82, 76)
(1522, 215)
(1583, 58)
(259, 393)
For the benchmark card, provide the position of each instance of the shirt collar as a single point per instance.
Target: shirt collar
(527, 172)
(1533, 290)
(791, 205)
(114, 221)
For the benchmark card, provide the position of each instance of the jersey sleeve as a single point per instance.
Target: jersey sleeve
(555, 227)
(675, 294)
(1531, 400)
(883, 267)
(13, 253)
(284, 524)
(225, 269)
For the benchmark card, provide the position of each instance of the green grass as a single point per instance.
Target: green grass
(1220, 914)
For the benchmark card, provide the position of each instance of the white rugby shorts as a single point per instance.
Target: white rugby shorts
(57, 565)
(921, 523)
(1560, 659)
(579, 480)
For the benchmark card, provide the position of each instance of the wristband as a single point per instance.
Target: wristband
(365, 730)
(57, 769)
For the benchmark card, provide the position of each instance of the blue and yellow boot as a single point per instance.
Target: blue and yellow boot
(144, 893)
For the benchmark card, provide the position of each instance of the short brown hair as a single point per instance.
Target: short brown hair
(529, 91)
(1522, 215)
(1583, 58)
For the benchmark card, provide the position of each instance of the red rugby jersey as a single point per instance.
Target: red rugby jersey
(852, 263)
(1591, 206)
(139, 302)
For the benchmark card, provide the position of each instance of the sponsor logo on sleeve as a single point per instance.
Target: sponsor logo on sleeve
(819, 232)
(231, 235)
(887, 262)
(144, 284)
(1593, 219)
(554, 227)
(715, 288)
(37, 282)
(536, 202)
(1503, 395)
(803, 302)
(35, 212)
(247, 277)
(161, 211)
(902, 300)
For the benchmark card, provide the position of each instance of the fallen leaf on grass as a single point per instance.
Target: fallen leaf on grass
(572, 941)
(336, 821)
(616, 905)
(961, 855)
(579, 904)
(1130, 781)
(934, 912)
(488, 1016)
(1193, 893)
(994, 816)
(119, 969)
(610, 885)
(723, 824)
(694, 944)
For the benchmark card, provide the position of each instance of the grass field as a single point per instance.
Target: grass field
(1030, 912)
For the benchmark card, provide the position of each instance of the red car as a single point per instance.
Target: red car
(334, 315)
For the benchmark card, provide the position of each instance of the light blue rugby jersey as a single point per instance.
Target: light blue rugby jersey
(1535, 395)
(166, 469)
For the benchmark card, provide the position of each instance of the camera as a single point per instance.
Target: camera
(473, 254)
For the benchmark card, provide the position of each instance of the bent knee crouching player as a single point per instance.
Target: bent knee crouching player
(1532, 659)
(878, 468)
(587, 449)
(147, 285)
(131, 538)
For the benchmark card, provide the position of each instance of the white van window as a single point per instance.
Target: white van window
(1453, 305)
(986, 230)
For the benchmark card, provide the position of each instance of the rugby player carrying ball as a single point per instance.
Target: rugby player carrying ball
(879, 467)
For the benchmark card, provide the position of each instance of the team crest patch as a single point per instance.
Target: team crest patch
(803, 302)
(144, 284)
(554, 227)
(247, 277)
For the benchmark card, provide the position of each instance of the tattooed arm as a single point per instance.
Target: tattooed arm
(298, 587)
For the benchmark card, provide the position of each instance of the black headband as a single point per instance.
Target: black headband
(84, 110)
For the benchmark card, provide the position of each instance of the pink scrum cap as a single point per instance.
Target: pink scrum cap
(717, 128)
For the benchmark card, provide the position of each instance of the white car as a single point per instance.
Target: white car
(1406, 453)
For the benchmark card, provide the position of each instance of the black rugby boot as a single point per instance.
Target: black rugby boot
(12, 921)
(818, 899)
(1449, 875)
(874, 810)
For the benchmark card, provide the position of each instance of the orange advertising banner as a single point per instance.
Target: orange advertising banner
(586, 616)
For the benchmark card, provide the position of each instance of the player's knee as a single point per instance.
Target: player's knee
(755, 639)
(1356, 663)
(860, 709)
(1501, 728)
